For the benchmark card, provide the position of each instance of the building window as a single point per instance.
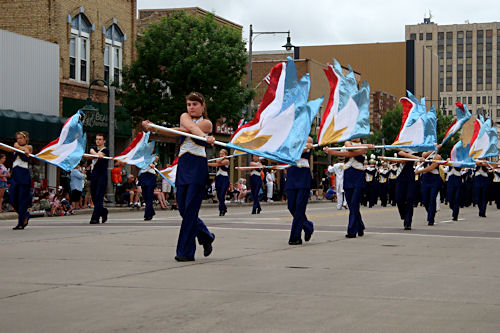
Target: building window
(440, 35)
(428, 36)
(413, 36)
(470, 100)
(498, 113)
(113, 53)
(79, 48)
(421, 36)
(478, 100)
(484, 99)
(498, 100)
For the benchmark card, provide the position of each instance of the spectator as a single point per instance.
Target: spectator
(56, 205)
(4, 173)
(243, 190)
(131, 192)
(88, 198)
(76, 184)
(45, 202)
(161, 198)
(65, 204)
(270, 180)
(236, 191)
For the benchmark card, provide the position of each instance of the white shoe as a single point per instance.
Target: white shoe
(269, 200)
(339, 208)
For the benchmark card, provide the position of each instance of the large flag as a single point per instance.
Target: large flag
(418, 126)
(347, 113)
(67, 150)
(139, 152)
(484, 139)
(283, 121)
(459, 156)
(170, 172)
(463, 115)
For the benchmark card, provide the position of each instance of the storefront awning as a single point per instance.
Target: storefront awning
(42, 128)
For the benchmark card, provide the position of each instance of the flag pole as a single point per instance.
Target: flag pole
(166, 129)
(218, 158)
(10, 148)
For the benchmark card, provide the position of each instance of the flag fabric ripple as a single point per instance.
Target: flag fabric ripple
(283, 120)
(170, 172)
(418, 126)
(484, 140)
(67, 150)
(347, 113)
(139, 152)
(463, 114)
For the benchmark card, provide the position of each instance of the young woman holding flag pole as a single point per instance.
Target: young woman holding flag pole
(221, 179)
(192, 173)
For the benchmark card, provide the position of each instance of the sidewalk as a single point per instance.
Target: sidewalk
(121, 209)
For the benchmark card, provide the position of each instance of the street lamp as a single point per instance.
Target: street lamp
(254, 34)
(88, 107)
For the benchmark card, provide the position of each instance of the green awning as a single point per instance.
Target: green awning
(42, 128)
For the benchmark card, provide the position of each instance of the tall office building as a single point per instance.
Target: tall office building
(458, 62)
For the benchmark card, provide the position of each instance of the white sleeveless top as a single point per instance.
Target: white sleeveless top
(189, 146)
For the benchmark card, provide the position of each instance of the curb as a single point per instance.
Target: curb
(88, 211)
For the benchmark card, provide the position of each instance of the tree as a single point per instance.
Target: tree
(181, 54)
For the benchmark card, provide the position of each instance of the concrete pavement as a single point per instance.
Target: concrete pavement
(64, 275)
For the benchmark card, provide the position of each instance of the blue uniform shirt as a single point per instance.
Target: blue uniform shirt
(299, 177)
(100, 168)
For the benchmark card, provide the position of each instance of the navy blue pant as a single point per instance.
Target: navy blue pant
(429, 190)
(480, 193)
(255, 186)
(453, 190)
(405, 196)
(496, 190)
(297, 204)
(353, 198)
(189, 199)
(221, 186)
(97, 192)
(147, 181)
(383, 191)
(372, 192)
(20, 198)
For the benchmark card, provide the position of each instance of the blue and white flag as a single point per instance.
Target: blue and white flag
(459, 156)
(67, 150)
(139, 152)
(418, 126)
(347, 113)
(463, 115)
(485, 139)
(283, 121)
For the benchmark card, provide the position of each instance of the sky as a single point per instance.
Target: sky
(325, 22)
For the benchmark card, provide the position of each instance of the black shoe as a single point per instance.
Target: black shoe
(296, 242)
(104, 215)
(224, 212)
(430, 223)
(18, 227)
(454, 218)
(207, 247)
(180, 258)
(94, 222)
(260, 209)
(350, 236)
(146, 219)
(361, 233)
(254, 211)
(220, 213)
(307, 236)
(407, 228)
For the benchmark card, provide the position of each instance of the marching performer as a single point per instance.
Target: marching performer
(99, 179)
(191, 177)
(496, 185)
(338, 169)
(354, 183)
(454, 189)
(298, 187)
(147, 182)
(371, 175)
(481, 182)
(20, 195)
(255, 183)
(383, 187)
(430, 185)
(221, 180)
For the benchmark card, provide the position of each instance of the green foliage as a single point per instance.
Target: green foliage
(181, 54)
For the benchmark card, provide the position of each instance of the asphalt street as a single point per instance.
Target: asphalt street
(63, 275)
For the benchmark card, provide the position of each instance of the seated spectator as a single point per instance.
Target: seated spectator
(243, 190)
(131, 192)
(161, 198)
(55, 209)
(44, 202)
(236, 191)
(65, 205)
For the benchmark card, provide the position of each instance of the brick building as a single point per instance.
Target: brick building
(380, 103)
(95, 39)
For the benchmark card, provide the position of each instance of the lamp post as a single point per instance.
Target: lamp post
(254, 34)
(111, 127)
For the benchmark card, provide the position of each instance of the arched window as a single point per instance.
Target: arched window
(79, 48)
(113, 54)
